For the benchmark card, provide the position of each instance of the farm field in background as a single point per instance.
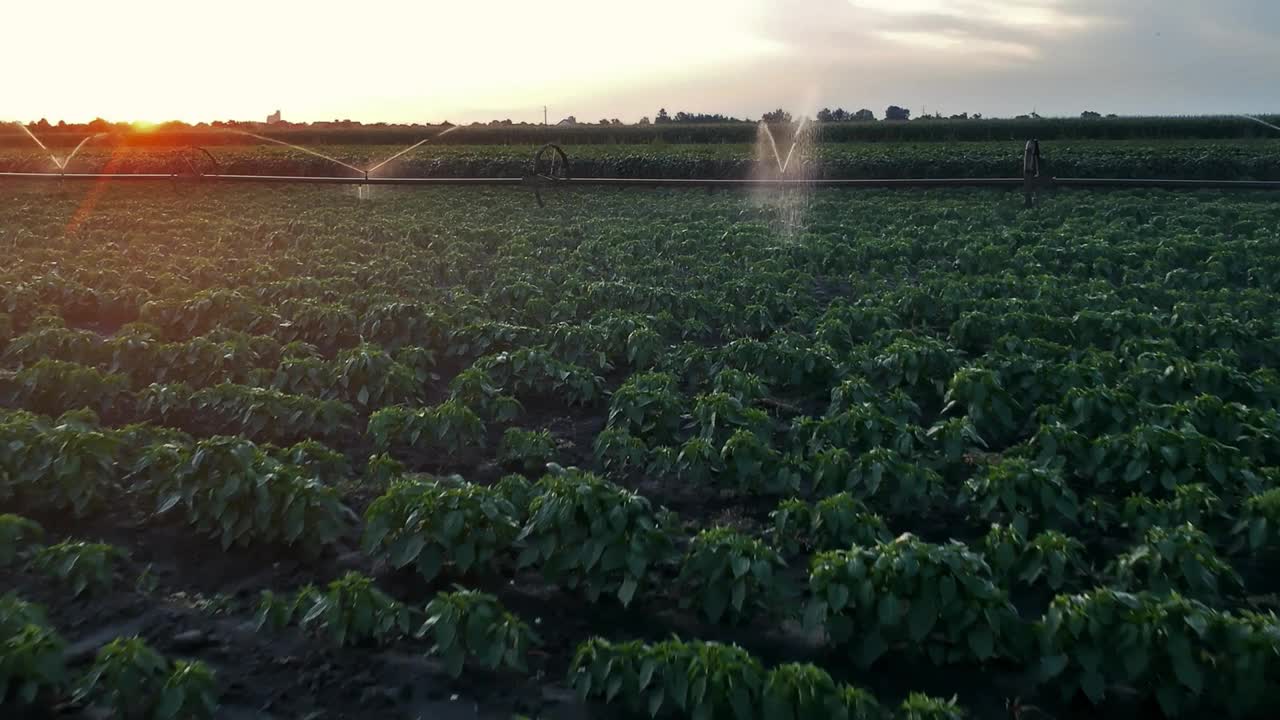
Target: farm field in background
(1227, 159)
(440, 453)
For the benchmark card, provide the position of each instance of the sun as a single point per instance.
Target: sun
(143, 126)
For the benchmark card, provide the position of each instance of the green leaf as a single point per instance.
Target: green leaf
(627, 590)
(837, 596)
(1093, 686)
(922, 617)
(1185, 668)
(405, 550)
(1052, 666)
(982, 642)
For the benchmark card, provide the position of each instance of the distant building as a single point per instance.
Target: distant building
(273, 118)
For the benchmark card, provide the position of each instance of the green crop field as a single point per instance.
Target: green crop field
(441, 453)
(1235, 159)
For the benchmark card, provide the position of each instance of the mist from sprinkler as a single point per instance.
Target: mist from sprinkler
(790, 202)
(1260, 121)
(362, 192)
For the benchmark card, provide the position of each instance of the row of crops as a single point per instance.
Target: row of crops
(1036, 452)
(1231, 127)
(1248, 159)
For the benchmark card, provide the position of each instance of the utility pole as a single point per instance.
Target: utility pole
(544, 114)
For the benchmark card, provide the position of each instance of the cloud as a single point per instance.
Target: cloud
(1012, 56)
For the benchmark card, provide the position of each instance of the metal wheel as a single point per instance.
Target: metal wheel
(189, 165)
(550, 167)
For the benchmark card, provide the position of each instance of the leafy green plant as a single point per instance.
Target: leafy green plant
(1023, 493)
(618, 451)
(135, 681)
(519, 492)
(54, 386)
(1190, 658)
(583, 530)
(231, 489)
(1258, 526)
(1195, 504)
(82, 565)
(729, 575)
(710, 680)
(1051, 557)
(746, 387)
(16, 535)
(369, 377)
(190, 691)
(57, 466)
(981, 394)
(649, 406)
(382, 470)
(1155, 460)
(882, 475)
(536, 372)
(268, 414)
(1179, 559)
(428, 525)
(449, 427)
(350, 611)
(526, 450)
(698, 679)
(32, 665)
(859, 429)
(919, 706)
(316, 459)
(718, 416)
(754, 466)
(939, 600)
(475, 389)
(832, 523)
(801, 690)
(955, 438)
(466, 624)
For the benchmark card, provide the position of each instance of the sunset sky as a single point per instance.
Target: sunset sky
(427, 61)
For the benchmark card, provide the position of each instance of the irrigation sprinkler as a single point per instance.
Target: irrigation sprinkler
(551, 169)
(1030, 171)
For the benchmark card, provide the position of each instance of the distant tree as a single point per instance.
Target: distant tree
(1090, 115)
(977, 116)
(43, 124)
(1112, 115)
(99, 125)
(777, 116)
(62, 123)
(825, 115)
(961, 116)
(662, 116)
(604, 121)
(688, 117)
(571, 120)
(863, 115)
(615, 121)
(897, 114)
(644, 121)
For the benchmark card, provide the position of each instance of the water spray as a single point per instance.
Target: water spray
(297, 147)
(1260, 121)
(551, 169)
